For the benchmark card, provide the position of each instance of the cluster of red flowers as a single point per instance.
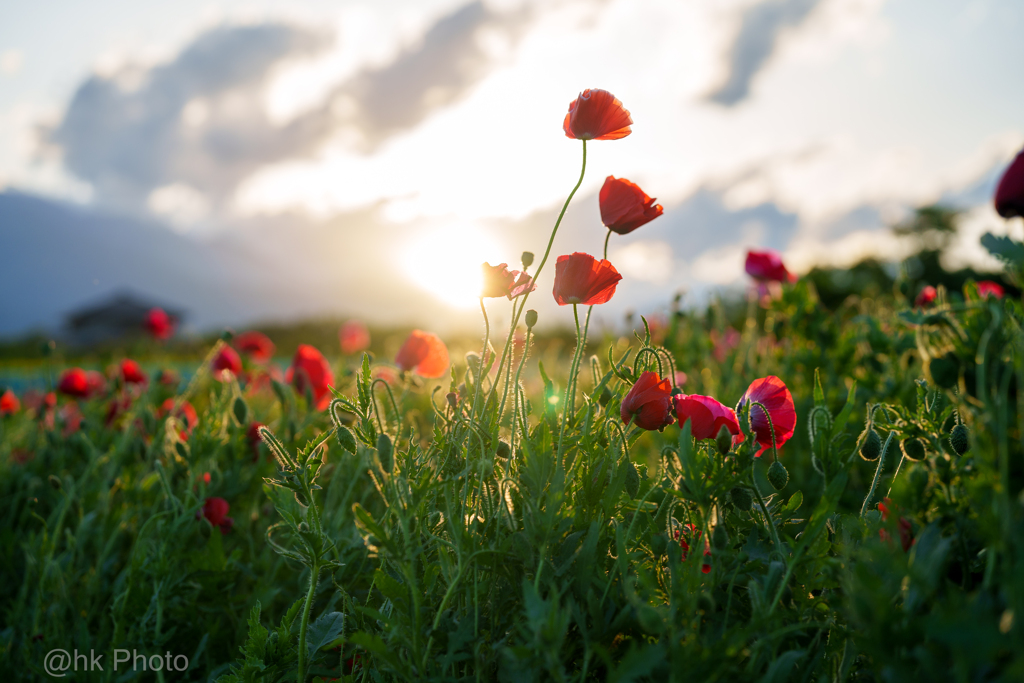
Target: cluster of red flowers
(651, 404)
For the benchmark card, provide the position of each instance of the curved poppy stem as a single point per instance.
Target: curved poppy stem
(878, 474)
(519, 372)
(544, 259)
(570, 395)
(771, 427)
(478, 380)
(606, 238)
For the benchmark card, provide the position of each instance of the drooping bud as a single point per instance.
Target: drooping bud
(241, 410)
(385, 452)
(913, 448)
(958, 439)
(55, 482)
(632, 480)
(345, 439)
(527, 259)
(778, 476)
(503, 451)
(741, 498)
(872, 446)
(227, 335)
(531, 318)
(723, 441)
(453, 399)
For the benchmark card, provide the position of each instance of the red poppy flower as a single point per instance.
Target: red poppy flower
(926, 297)
(706, 416)
(226, 359)
(425, 352)
(499, 281)
(648, 403)
(582, 279)
(159, 324)
(773, 394)
(74, 382)
(185, 412)
(256, 345)
(906, 529)
(354, 337)
(1009, 197)
(987, 288)
(215, 510)
(168, 377)
(767, 266)
(72, 418)
(596, 115)
(252, 437)
(690, 531)
(624, 206)
(311, 370)
(9, 403)
(95, 381)
(118, 406)
(131, 373)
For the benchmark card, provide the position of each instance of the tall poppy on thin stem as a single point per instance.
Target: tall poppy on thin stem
(499, 281)
(625, 207)
(159, 324)
(1009, 197)
(706, 416)
(256, 345)
(596, 115)
(131, 373)
(424, 352)
(226, 359)
(649, 403)
(988, 288)
(9, 403)
(772, 393)
(311, 371)
(582, 279)
(767, 266)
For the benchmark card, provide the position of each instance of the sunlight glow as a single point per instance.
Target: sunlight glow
(446, 263)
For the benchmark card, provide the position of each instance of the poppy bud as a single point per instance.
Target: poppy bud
(778, 477)
(724, 440)
(676, 391)
(227, 335)
(632, 480)
(503, 451)
(385, 452)
(605, 397)
(872, 446)
(453, 399)
(958, 439)
(945, 371)
(531, 318)
(345, 439)
(55, 483)
(913, 448)
(720, 537)
(527, 259)
(741, 498)
(241, 410)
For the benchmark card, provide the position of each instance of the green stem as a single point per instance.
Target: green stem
(878, 474)
(764, 510)
(606, 238)
(569, 407)
(479, 379)
(515, 403)
(314, 573)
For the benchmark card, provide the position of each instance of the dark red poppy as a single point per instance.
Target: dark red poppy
(256, 345)
(691, 532)
(354, 337)
(1009, 197)
(903, 525)
(215, 510)
(9, 403)
(596, 115)
(252, 437)
(624, 206)
(767, 266)
(500, 281)
(926, 297)
(74, 382)
(582, 279)
(773, 394)
(648, 403)
(72, 418)
(310, 370)
(226, 360)
(95, 382)
(118, 406)
(706, 416)
(425, 352)
(131, 373)
(159, 324)
(987, 288)
(185, 412)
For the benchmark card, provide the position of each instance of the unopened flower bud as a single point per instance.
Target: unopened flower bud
(605, 397)
(453, 399)
(632, 480)
(741, 498)
(913, 448)
(958, 439)
(676, 391)
(227, 335)
(531, 318)
(724, 440)
(527, 259)
(872, 446)
(720, 537)
(385, 451)
(778, 477)
(503, 451)
(55, 482)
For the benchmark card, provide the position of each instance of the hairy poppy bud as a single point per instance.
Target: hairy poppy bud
(958, 439)
(345, 439)
(531, 318)
(741, 498)
(676, 391)
(385, 452)
(723, 441)
(55, 482)
(944, 371)
(227, 335)
(913, 448)
(778, 477)
(453, 399)
(632, 480)
(241, 410)
(527, 259)
(872, 446)
(503, 451)
(605, 397)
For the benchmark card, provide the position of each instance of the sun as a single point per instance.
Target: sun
(446, 262)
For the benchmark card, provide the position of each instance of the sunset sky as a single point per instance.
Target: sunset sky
(363, 158)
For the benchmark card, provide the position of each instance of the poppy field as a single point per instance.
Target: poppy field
(777, 490)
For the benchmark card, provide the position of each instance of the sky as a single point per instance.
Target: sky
(363, 158)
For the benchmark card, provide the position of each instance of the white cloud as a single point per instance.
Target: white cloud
(11, 62)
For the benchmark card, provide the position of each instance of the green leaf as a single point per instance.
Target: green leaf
(241, 410)
(324, 631)
(794, 502)
(1004, 248)
(844, 415)
(819, 393)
